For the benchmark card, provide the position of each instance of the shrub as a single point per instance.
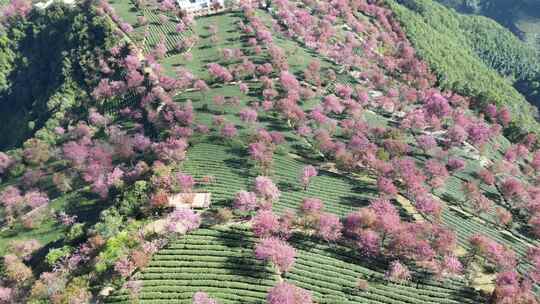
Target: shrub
(76, 232)
(133, 199)
(15, 270)
(56, 254)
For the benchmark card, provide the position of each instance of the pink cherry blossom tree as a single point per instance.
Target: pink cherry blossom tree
(329, 227)
(278, 252)
(245, 201)
(266, 189)
(202, 298)
(286, 293)
(308, 172)
(398, 272)
(265, 224)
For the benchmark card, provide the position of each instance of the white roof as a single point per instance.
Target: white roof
(43, 5)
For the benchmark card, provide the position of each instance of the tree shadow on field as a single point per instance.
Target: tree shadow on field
(449, 199)
(273, 124)
(205, 47)
(87, 207)
(306, 152)
(354, 201)
(245, 265)
(238, 161)
(38, 258)
(288, 187)
(342, 252)
(237, 165)
(467, 293)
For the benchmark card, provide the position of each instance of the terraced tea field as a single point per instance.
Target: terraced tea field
(220, 261)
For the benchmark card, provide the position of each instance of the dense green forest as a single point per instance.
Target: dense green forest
(522, 17)
(472, 55)
(40, 80)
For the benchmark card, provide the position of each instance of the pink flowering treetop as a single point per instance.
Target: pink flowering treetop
(276, 251)
(289, 82)
(426, 142)
(438, 106)
(512, 189)
(17, 8)
(386, 217)
(6, 295)
(245, 201)
(308, 172)
(286, 293)
(398, 273)
(171, 150)
(492, 252)
(228, 130)
(185, 182)
(265, 224)
(183, 220)
(266, 189)
(509, 288)
(504, 117)
(262, 153)
(329, 227)
(386, 187)
(203, 298)
(5, 162)
(219, 72)
(436, 172)
(10, 197)
(124, 267)
(248, 115)
(311, 206)
(451, 266)
(36, 198)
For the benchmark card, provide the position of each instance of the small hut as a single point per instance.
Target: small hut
(190, 200)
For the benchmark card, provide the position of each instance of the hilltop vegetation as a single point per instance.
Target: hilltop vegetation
(339, 167)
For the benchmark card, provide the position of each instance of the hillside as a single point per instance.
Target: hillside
(522, 17)
(504, 18)
(473, 56)
(283, 152)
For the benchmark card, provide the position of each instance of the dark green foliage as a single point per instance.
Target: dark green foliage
(40, 80)
(499, 48)
(133, 199)
(110, 223)
(6, 61)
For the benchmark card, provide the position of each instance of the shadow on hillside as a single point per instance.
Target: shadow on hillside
(306, 152)
(273, 124)
(87, 207)
(244, 265)
(377, 265)
(38, 262)
(238, 162)
(288, 187)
